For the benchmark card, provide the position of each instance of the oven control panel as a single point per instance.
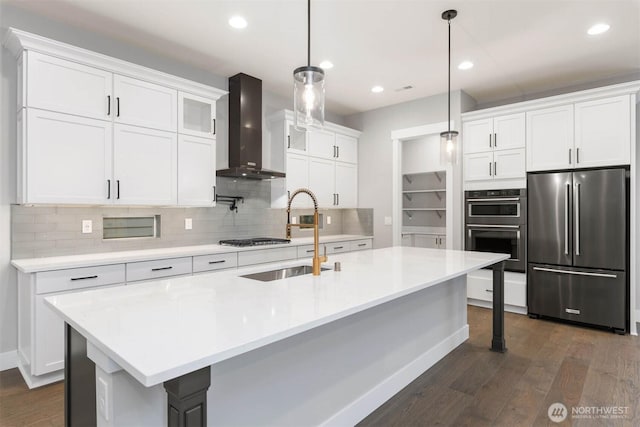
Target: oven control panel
(514, 192)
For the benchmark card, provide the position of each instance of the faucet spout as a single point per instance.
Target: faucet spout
(317, 259)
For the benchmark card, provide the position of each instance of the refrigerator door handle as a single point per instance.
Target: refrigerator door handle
(576, 273)
(577, 208)
(566, 219)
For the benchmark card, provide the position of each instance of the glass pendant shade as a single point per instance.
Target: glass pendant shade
(308, 97)
(449, 147)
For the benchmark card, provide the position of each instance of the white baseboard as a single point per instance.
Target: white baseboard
(375, 397)
(488, 304)
(8, 360)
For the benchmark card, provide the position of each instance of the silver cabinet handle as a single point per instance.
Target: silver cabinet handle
(576, 273)
(489, 290)
(108, 105)
(338, 247)
(569, 155)
(490, 169)
(310, 251)
(216, 262)
(118, 106)
(495, 140)
(566, 219)
(161, 268)
(337, 199)
(577, 208)
(495, 169)
(117, 188)
(489, 140)
(497, 199)
(491, 226)
(288, 141)
(362, 244)
(84, 278)
(214, 193)
(572, 311)
(577, 155)
(214, 126)
(108, 189)
(337, 151)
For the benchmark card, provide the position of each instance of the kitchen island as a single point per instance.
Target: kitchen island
(306, 350)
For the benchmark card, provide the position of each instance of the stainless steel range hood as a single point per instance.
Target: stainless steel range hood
(245, 130)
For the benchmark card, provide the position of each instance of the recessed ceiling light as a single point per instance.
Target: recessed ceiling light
(377, 89)
(326, 65)
(598, 29)
(465, 65)
(238, 22)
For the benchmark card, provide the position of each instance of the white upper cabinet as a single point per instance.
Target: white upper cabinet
(296, 138)
(346, 148)
(497, 133)
(346, 185)
(68, 158)
(478, 166)
(145, 166)
(550, 138)
(322, 181)
(67, 87)
(298, 177)
(145, 104)
(196, 115)
(321, 144)
(196, 171)
(603, 132)
(509, 164)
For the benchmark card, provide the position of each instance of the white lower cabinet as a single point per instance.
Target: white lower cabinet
(156, 269)
(480, 290)
(204, 263)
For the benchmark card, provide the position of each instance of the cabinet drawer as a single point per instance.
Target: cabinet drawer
(306, 251)
(160, 268)
(266, 255)
(214, 262)
(78, 278)
(359, 245)
(339, 247)
(480, 286)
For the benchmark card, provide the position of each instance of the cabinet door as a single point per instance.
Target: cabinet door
(321, 144)
(68, 159)
(478, 166)
(67, 87)
(322, 181)
(49, 338)
(196, 115)
(509, 131)
(603, 132)
(347, 148)
(426, 241)
(196, 171)
(476, 135)
(550, 138)
(509, 164)
(145, 166)
(298, 177)
(296, 139)
(346, 178)
(145, 104)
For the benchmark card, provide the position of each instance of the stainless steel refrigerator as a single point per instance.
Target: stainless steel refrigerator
(578, 240)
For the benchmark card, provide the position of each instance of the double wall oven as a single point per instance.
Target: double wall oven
(496, 221)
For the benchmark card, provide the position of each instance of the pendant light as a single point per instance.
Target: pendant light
(449, 139)
(308, 89)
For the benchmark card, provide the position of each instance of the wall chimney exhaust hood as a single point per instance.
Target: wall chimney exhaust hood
(245, 130)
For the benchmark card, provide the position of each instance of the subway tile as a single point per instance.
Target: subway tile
(22, 237)
(32, 228)
(23, 219)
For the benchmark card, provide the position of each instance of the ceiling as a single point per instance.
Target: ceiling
(519, 47)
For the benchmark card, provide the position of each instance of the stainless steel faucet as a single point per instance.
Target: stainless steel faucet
(317, 260)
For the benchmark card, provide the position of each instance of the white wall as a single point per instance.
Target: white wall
(375, 154)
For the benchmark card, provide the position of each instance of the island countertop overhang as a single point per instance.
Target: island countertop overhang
(213, 317)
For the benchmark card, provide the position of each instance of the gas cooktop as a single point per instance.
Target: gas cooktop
(256, 241)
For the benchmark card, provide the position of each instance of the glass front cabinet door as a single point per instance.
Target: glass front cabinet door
(196, 115)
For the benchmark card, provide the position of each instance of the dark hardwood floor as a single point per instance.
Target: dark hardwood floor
(545, 363)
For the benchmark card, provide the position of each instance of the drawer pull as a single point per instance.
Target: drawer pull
(310, 251)
(361, 244)
(217, 262)
(489, 290)
(338, 247)
(84, 278)
(572, 311)
(161, 268)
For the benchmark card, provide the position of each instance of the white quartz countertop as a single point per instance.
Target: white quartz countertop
(162, 329)
(33, 265)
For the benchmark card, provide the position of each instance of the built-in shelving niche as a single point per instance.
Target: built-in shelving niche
(424, 199)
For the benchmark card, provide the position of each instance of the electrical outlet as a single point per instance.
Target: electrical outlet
(188, 224)
(387, 220)
(328, 219)
(87, 226)
(103, 398)
(294, 220)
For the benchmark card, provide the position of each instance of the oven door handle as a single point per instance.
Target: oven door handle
(501, 199)
(492, 226)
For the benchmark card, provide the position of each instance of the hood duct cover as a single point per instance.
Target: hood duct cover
(245, 130)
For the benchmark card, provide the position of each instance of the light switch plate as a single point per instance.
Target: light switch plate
(87, 226)
(387, 220)
(103, 399)
(188, 224)
(328, 219)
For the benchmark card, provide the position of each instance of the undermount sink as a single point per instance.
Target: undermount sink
(282, 273)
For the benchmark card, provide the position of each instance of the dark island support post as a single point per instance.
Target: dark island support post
(497, 343)
(187, 399)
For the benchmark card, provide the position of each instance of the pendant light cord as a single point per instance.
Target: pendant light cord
(449, 82)
(309, 33)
